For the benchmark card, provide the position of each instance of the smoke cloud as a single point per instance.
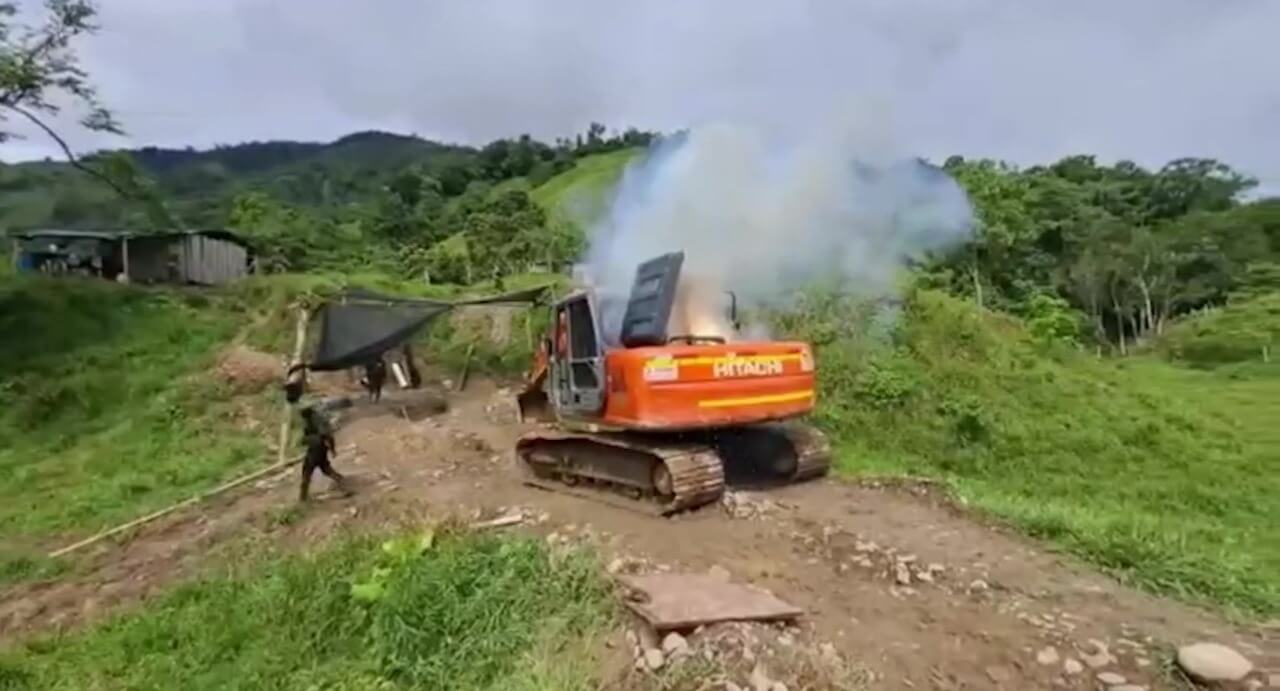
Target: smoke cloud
(766, 214)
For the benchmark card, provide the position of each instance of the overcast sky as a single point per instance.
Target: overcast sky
(1024, 80)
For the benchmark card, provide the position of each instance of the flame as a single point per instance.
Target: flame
(698, 311)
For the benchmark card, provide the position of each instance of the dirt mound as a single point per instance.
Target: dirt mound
(249, 370)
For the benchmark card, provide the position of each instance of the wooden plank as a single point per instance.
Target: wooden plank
(687, 600)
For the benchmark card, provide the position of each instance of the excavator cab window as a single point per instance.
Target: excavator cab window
(580, 375)
(583, 348)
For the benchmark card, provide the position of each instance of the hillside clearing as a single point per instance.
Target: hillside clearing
(1159, 474)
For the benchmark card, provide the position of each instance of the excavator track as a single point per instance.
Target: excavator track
(812, 449)
(654, 476)
(786, 452)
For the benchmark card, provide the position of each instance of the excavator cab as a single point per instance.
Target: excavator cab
(569, 371)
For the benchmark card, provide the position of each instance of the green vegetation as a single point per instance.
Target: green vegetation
(106, 407)
(1241, 332)
(1159, 474)
(423, 611)
(581, 194)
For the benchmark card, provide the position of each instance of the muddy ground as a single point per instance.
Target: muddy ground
(908, 589)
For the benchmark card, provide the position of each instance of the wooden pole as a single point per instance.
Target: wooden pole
(299, 337)
(124, 248)
(170, 509)
(466, 366)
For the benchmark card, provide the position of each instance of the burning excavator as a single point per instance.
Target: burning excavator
(658, 420)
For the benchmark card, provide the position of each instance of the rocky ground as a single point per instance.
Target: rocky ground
(901, 589)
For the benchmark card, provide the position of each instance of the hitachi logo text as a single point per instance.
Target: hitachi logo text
(746, 368)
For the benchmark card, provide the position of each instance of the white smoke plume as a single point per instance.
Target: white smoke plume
(767, 216)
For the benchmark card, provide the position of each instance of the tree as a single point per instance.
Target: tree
(1004, 225)
(39, 68)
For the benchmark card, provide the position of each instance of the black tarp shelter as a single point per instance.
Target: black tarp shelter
(361, 324)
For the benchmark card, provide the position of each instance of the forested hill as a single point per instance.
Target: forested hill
(1085, 251)
(199, 187)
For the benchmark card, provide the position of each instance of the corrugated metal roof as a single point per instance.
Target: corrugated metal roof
(216, 233)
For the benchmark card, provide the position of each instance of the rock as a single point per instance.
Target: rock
(1072, 666)
(730, 686)
(1048, 656)
(1128, 687)
(674, 645)
(1100, 657)
(1111, 678)
(1141, 662)
(1273, 681)
(924, 576)
(1213, 662)
(653, 659)
(935, 568)
(829, 653)
(778, 686)
(616, 565)
(1252, 684)
(978, 586)
(786, 640)
(648, 637)
(719, 573)
(759, 680)
(632, 639)
(999, 674)
(901, 574)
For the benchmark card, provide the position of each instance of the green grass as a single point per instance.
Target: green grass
(106, 410)
(459, 612)
(1161, 475)
(581, 194)
(1236, 333)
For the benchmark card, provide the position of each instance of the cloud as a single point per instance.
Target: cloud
(1025, 80)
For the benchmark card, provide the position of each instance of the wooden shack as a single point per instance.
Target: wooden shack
(200, 257)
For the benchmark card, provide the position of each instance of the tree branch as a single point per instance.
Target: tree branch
(66, 150)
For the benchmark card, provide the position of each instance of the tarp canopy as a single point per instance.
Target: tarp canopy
(362, 325)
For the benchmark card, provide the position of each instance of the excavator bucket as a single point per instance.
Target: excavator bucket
(532, 402)
(534, 406)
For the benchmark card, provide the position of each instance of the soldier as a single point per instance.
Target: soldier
(317, 436)
(375, 375)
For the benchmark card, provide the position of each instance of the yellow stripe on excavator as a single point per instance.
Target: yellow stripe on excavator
(717, 359)
(756, 400)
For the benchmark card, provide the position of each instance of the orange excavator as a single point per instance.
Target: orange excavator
(657, 420)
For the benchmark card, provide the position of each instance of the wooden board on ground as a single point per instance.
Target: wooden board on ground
(688, 600)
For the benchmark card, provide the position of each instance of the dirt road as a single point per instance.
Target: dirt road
(898, 580)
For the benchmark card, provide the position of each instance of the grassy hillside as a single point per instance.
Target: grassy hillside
(1237, 333)
(107, 407)
(421, 612)
(1159, 474)
(581, 194)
